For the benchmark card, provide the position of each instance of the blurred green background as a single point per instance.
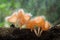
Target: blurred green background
(49, 8)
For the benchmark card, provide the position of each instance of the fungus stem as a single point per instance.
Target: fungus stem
(35, 31)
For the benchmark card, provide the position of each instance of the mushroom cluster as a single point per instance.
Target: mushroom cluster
(21, 19)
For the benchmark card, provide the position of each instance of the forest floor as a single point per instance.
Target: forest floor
(26, 34)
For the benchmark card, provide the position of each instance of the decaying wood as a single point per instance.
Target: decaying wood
(26, 34)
